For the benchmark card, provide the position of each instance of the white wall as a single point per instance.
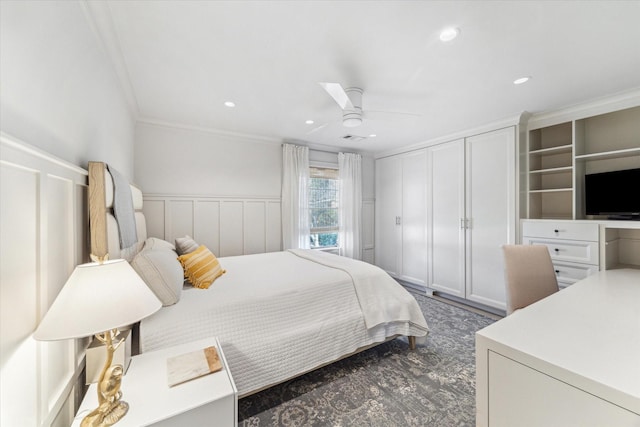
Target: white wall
(61, 96)
(222, 189)
(59, 90)
(179, 161)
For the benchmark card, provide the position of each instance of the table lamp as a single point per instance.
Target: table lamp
(97, 299)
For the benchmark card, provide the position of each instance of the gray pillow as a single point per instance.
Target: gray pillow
(160, 269)
(186, 245)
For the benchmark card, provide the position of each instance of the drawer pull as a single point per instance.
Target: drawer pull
(557, 271)
(556, 231)
(557, 250)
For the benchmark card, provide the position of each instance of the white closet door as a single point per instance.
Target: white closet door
(414, 226)
(490, 209)
(446, 211)
(388, 214)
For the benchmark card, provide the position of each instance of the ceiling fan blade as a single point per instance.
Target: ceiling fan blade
(337, 92)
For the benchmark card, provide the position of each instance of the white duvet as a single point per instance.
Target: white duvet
(278, 315)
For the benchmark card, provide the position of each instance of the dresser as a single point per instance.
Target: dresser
(573, 246)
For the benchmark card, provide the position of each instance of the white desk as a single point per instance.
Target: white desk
(572, 359)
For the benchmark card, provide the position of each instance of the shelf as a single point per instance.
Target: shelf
(551, 190)
(553, 150)
(610, 154)
(552, 170)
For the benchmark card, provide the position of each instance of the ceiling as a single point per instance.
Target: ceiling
(182, 60)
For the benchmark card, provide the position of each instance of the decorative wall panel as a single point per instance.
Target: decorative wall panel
(43, 235)
(227, 225)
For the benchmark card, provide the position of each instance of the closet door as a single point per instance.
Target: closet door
(413, 267)
(446, 218)
(388, 215)
(490, 206)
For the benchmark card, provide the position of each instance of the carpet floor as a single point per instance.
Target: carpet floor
(388, 385)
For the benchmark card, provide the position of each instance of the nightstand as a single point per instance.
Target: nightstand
(208, 400)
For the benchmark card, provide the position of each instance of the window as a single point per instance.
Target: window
(323, 207)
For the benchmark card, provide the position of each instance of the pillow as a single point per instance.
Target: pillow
(155, 243)
(201, 267)
(160, 269)
(185, 245)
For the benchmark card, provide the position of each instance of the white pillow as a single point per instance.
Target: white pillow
(160, 269)
(186, 245)
(155, 243)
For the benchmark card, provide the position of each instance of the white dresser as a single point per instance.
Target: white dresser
(573, 246)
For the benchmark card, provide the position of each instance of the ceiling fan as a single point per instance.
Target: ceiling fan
(350, 101)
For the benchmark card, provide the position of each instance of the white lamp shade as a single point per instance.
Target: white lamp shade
(96, 299)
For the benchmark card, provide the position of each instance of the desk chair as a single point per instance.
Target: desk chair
(529, 275)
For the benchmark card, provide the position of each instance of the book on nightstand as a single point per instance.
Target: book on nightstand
(188, 366)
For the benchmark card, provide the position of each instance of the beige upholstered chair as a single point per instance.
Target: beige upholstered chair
(529, 275)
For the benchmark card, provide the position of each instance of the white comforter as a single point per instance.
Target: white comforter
(278, 315)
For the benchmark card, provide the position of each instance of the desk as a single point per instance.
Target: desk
(572, 359)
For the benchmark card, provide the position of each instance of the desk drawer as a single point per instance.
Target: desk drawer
(568, 250)
(560, 230)
(569, 273)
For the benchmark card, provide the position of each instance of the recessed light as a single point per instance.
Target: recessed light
(230, 104)
(521, 80)
(309, 122)
(373, 135)
(449, 34)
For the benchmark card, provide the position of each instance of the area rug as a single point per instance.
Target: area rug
(388, 385)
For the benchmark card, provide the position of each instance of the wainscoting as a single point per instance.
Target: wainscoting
(226, 225)
(231, 225)
(43, 229)
(368, 227)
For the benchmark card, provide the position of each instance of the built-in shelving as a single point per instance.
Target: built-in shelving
(553, 150)
(616, 154)
(551, 190)
(552, 170)
(560, 155)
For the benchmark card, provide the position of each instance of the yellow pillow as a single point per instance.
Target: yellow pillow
(201, 267)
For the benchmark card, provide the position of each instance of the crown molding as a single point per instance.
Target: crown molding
(603, 105)
(217, 132)
(99, 18)
(510, 121)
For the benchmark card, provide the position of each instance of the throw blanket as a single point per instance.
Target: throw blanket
(123, 209)
(377, 307)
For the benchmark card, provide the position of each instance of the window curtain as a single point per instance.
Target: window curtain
(350, 176)
(295, 203)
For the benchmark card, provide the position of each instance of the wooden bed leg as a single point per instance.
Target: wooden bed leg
(412, 343)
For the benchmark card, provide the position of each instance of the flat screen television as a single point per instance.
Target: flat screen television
(616, 194)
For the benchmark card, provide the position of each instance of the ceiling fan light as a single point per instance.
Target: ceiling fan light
(351, 122)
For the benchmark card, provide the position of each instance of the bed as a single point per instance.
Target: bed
(277, 315)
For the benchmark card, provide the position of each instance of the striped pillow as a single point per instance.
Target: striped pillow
(201, 267)
(185, 245)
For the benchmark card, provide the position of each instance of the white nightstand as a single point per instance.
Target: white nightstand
(208, 400)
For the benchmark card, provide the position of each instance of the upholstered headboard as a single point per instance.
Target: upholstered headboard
(104, 230)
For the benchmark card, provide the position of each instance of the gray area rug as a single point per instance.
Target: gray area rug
(388, 385)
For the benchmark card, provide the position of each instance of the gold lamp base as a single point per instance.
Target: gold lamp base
(110, 408)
